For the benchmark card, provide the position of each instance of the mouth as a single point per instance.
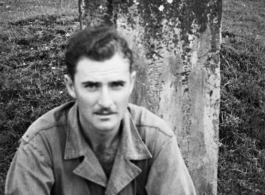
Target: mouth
(104, 115)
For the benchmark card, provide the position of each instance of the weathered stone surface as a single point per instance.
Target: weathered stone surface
(176, 44)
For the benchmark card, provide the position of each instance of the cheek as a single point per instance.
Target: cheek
(122, 99)
(87, 99)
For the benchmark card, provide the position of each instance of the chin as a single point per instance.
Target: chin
(106, 127)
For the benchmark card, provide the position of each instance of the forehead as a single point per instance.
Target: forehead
(115, 67)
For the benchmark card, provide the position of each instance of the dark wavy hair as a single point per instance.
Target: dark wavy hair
(96, 43)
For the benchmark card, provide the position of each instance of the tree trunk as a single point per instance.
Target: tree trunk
(176, 45)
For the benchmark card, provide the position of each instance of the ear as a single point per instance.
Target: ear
(133, 76)
(70, 86)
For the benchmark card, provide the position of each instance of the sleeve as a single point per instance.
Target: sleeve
(30, 173)
(168, 173)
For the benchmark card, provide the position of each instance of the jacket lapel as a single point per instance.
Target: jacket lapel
(132, 148)
(90, 169)
(77, 147)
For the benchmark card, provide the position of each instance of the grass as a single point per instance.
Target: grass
(32, 40)
(242, 117)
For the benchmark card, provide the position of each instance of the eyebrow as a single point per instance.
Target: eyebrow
(119, 81)
(90, 82)
(97, 83)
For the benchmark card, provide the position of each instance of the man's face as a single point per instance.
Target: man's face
(102, 91)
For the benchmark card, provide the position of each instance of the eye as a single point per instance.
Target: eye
(117, 85)
(91, 85)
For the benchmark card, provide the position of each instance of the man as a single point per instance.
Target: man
(99, 144)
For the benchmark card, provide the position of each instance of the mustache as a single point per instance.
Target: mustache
(105, 111)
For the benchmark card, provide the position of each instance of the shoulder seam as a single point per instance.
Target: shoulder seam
(43, 129)
(161, 147)
(155, 128)
(37, 150)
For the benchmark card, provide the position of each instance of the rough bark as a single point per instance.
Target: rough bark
(176, 45)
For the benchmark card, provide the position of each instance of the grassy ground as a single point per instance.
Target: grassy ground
(242, 119)
(32, 39)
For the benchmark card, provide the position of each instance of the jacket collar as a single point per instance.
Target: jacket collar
(124, 171)
(131, 148)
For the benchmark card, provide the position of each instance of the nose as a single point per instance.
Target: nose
(105, 99)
